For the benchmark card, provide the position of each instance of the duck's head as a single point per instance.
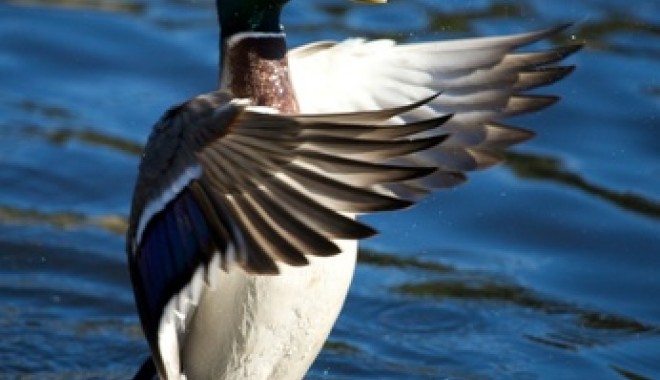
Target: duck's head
(238, 16)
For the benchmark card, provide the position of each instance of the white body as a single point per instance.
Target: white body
(278, 324)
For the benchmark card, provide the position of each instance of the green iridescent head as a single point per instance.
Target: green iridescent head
(238, 16)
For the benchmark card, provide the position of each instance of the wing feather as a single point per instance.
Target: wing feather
(384, 132)
(362, 173)
(480, 81)
(326, 221)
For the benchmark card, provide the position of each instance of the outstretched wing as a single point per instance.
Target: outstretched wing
(220, 186)
(482, 81)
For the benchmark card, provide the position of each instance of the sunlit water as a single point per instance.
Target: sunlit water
(545, 268)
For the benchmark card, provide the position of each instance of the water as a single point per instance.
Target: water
(545, 268)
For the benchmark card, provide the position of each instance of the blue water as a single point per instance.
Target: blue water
(545, 268)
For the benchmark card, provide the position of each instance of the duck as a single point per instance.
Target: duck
(244, 229)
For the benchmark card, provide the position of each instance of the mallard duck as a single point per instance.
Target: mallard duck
(243, 232)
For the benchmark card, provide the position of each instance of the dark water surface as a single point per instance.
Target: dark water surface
(545, 268)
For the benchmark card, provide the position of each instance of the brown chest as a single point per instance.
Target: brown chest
(255, 66)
